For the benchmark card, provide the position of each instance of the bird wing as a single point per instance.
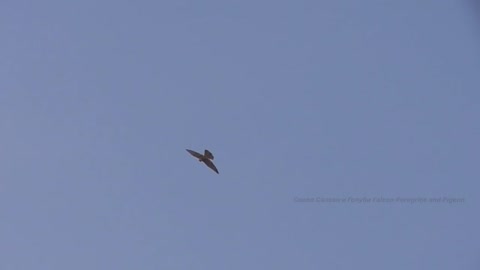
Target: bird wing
(208, 154)
(195, 154)
(210, 164)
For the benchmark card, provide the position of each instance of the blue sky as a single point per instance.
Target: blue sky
(296, 100)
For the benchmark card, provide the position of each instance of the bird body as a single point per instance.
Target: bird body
(206, 158)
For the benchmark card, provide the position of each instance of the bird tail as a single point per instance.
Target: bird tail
(208, 154)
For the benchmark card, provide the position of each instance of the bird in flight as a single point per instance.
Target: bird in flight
(206, 158)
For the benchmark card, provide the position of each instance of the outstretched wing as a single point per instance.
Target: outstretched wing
(210, 164)
(195, 154)
(208, 154)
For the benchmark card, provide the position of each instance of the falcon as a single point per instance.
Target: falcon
(206, 158)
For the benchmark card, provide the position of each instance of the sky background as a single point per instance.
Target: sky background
(296, 99)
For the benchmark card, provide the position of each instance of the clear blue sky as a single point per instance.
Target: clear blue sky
(296, 100)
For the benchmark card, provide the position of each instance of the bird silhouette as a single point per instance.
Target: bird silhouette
(206, 158)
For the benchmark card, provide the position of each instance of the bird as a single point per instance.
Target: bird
(206, 158)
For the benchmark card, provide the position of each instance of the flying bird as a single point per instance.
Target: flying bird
(206, 158)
